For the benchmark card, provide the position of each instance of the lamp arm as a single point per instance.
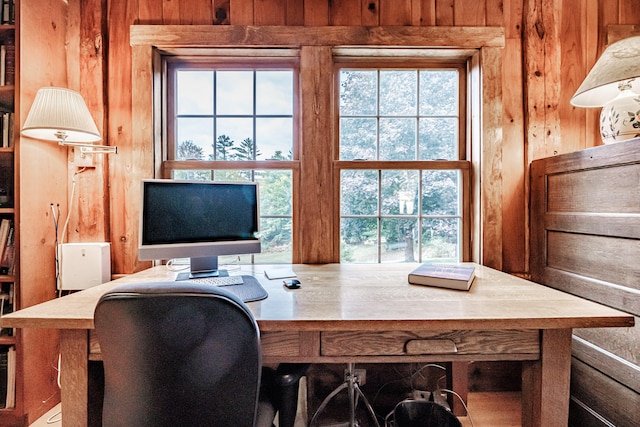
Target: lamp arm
(90, 148)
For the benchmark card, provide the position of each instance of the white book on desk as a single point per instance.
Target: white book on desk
(452, 276)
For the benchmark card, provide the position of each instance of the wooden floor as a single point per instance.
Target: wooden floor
(486, 409)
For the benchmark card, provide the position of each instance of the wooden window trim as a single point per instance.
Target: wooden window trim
(482, 45)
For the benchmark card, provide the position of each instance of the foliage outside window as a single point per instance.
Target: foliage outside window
(395, 207)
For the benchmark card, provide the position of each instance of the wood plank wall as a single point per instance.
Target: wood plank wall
(550, 46)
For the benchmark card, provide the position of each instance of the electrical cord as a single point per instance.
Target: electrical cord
(58, 254)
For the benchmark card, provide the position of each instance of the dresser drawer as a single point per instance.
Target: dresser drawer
(402, 343)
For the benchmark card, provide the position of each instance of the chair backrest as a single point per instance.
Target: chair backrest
(177, 354)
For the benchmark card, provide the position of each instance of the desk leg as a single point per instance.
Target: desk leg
(74, 350)
(545, 382)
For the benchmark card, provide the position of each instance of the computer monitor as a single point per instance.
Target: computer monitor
(199, 220)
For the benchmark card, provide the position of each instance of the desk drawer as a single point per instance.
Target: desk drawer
(402, 343)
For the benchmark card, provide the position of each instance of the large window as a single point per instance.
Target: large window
(399, 158)
(236, 122)
(398, 205)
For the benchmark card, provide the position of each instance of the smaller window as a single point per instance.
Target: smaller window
(223, 122)
(392, 211)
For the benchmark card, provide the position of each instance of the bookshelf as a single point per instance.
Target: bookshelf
(10, 404)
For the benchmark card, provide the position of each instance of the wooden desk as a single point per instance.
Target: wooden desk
(369, 313)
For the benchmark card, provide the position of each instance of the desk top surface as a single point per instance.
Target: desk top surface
(366, 297)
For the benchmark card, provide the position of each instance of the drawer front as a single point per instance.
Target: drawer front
(401, 343)
(280, 344)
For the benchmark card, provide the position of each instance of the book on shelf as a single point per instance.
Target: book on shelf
(6, 129)
(9, 62)
(6, 306)
(5, 227)
(8, 12)
(7, 376)
(452, 276)
(8, 254)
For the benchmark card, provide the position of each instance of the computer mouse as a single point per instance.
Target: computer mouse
(291, 284)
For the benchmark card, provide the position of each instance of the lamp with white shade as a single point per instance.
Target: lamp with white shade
(614, 84)
(59, 114)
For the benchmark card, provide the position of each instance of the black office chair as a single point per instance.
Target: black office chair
(180, 354)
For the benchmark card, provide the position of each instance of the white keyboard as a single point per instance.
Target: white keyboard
(220, 281)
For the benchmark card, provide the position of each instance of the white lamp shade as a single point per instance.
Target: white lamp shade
(619, 62)
(57, 110)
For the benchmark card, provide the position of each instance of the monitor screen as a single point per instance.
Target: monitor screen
(199, 220)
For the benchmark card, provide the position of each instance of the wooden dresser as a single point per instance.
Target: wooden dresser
(585, 240)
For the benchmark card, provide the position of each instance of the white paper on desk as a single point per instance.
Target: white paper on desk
(279, 272)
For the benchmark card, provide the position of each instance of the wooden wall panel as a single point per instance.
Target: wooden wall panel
(427, 12)
(444, 12)
(43, 181)
(395, 12)
(345, 12)
(241, 12)
(221, 12)
(269, 12)
(170, 12)
(466, 13)
(150, 12)
(316, 12)
(124, 203)
(551, 46)
(194, 12)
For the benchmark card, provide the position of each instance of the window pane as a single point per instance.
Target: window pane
(234, 93)
(273, 135)
(418, 210)
(398, 93)
(358, 192)
(275, 192)
(438, 139)
(399, 240)
(440, 239)
(441, 192)
(358, 93)
(400, 130)
(276, 241)
(358, 138)
(194, 138)
(192, 175)
(400, 192)
(194, 93)
(439, 93)
(397, 139)
(274, 92)
(359, 240)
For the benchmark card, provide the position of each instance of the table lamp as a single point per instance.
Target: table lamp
(61, 115)
(614, 84)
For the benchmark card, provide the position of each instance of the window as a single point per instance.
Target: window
(236, 122)
(316, 167)
(399, 205)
